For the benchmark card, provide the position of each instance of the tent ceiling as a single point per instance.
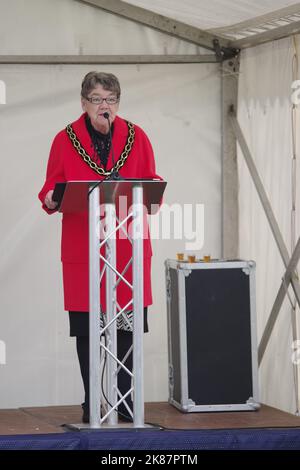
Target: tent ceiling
(207, 14)
(260, 24)
(232, 19)
(221, 25)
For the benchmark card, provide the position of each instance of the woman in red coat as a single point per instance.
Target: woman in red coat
(83, 151)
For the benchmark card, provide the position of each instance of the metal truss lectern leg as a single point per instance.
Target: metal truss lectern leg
(138, 305)
(108, 347)
(94, 313)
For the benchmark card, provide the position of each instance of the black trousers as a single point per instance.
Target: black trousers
(124, 341)
(79, 328)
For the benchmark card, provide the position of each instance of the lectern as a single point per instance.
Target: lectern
(101, 197)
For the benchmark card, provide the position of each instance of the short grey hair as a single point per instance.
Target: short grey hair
(107, 80)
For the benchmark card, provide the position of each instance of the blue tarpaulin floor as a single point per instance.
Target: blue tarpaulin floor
(42, 428)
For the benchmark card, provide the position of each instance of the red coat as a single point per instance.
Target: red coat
(65, 164)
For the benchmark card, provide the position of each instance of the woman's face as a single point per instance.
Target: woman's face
(96, 110)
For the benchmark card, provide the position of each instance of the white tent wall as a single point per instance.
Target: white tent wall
(265, 115)
(179, 108)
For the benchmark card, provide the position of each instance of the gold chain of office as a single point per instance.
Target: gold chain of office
(87, 159)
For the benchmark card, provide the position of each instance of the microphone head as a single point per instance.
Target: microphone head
(106, 115)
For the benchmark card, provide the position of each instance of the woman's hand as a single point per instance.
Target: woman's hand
(49, 201)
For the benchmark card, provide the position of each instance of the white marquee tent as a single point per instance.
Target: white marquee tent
(182, 66)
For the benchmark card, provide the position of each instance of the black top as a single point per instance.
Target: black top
(101, 143)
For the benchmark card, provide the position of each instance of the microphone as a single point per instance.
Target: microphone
(115, 174)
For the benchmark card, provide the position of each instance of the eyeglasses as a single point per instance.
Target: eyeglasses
(98, 100)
